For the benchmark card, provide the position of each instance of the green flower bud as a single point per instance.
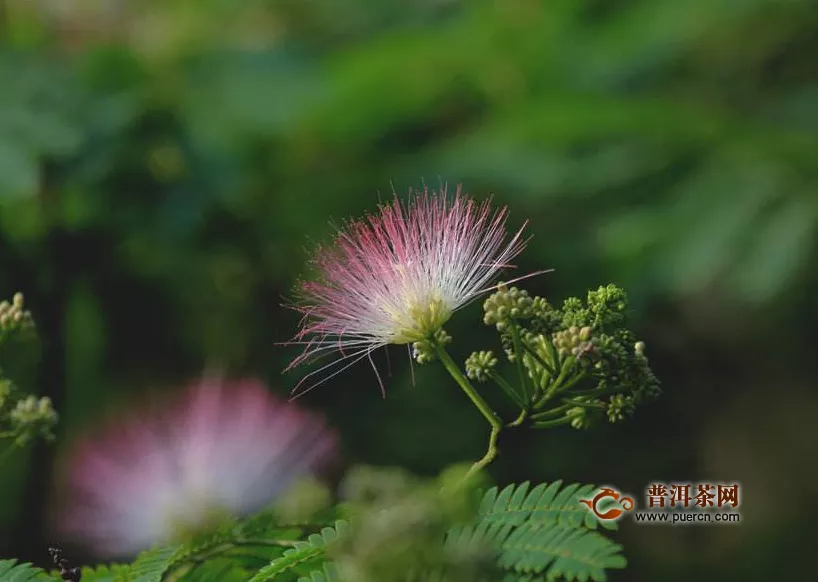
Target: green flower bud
(574, 341)
(479, 365)
(32, 417)
(425, 351)
(507, 304)
(17, 300)
(580, 419)
(620, 407)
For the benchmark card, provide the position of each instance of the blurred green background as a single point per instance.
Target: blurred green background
(164, 165)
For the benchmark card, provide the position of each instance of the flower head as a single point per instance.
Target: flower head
(222, 449)
(397, 276)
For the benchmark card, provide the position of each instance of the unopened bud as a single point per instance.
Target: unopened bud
(479, 365)
(18, 300)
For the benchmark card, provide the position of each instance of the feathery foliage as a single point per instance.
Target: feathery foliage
(107, 573)
(327, 573)
(302, 553)
(542, 531)
(545, 504)
(11, 571)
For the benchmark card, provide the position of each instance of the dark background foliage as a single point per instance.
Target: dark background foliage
(164, 166)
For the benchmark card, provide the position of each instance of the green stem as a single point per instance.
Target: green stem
(573, 381)
(567, 366)
(552, 423)
(519, 420)
(490, 455)
(549, 413)
(540, 360)
(586, 404)
(466, 386)
(508, 389)
(528, 396)
(193, 561)
(593, 392)
(483, 406)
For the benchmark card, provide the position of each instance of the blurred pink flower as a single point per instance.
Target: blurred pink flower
(397, 277)
(221, 448)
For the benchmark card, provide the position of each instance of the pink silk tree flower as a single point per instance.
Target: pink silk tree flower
(397, 276)
(222, 449)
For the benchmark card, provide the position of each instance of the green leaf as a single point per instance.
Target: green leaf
(11, 571)
(327, 573)
(544, 504)
(107, 573)
(302, 552)
(541, 531)
(574, 554)
(151, 565)
(217, 570)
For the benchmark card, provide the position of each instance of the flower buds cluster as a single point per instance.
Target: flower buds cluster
(620, 407)
(22, 418)
(574, 341)
(580, 419)
(33, 417)
(507, 304)
(581, 354)
(13, 316)
(424, 351)
(479, 365)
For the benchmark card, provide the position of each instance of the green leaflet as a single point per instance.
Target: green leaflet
(326, 574)
(151, 565)
(11, 571)
(107, 573)
(542, 533)
(301, 553)
(544, 504)
(218, 570)
(560, 552)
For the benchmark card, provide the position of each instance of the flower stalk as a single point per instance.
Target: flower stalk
(458, 376)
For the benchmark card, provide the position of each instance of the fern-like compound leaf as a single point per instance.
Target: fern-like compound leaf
(302, 552)
(151, 565)
(544, 504)
(11, 571)
(569, 553)
(327, 573)
(216, 570)
(542, 533)
(107, 573)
